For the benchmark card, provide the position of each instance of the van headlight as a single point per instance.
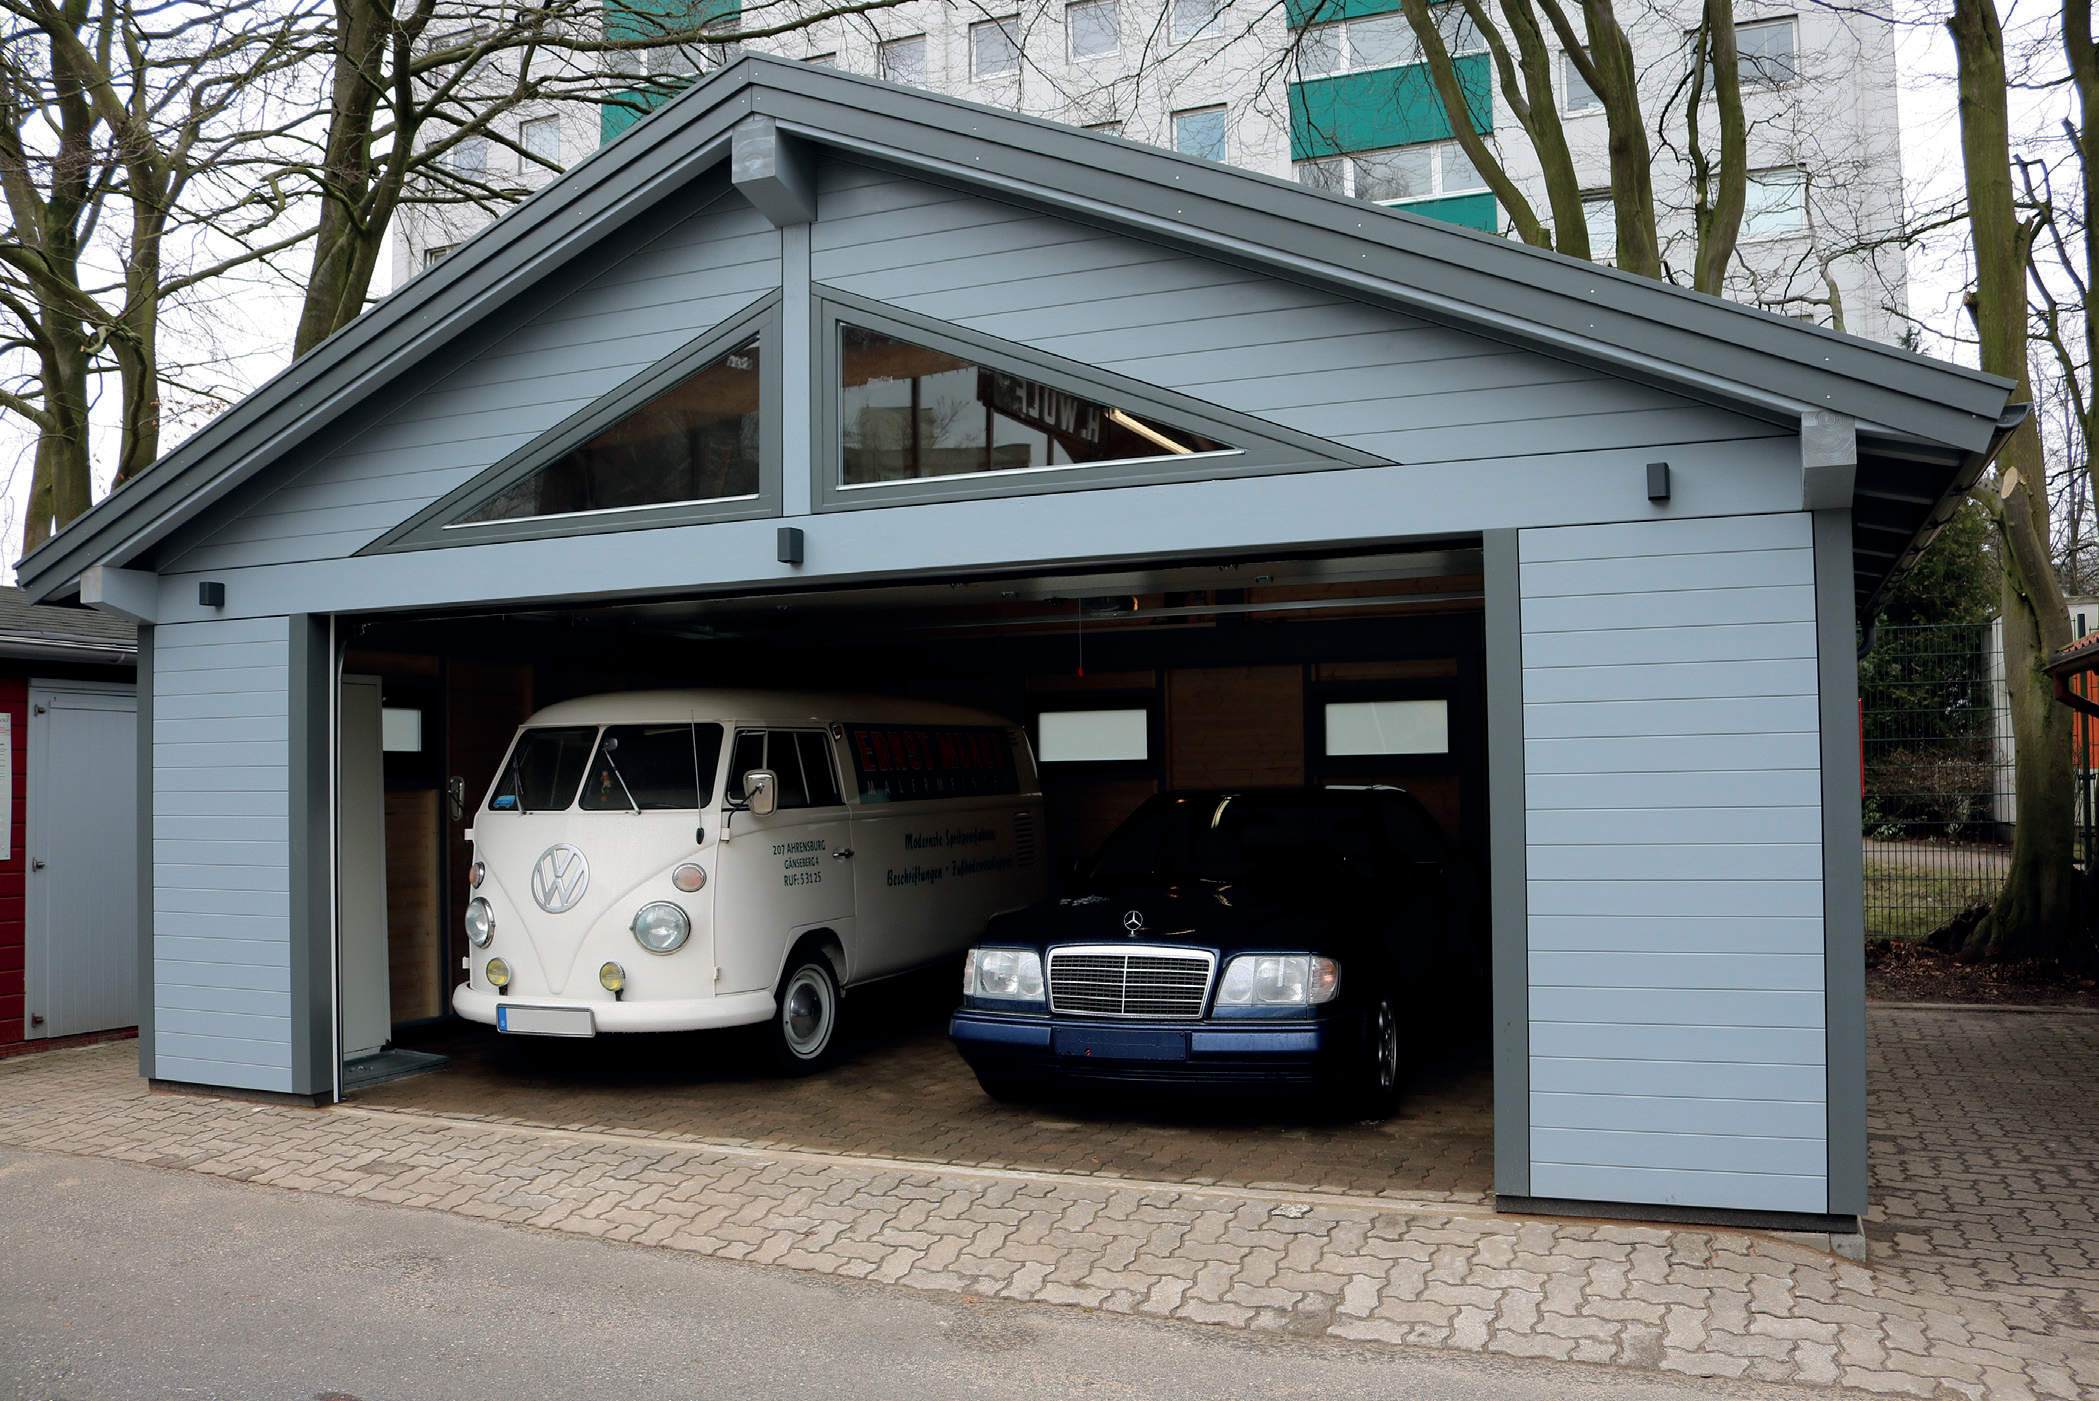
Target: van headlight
(1279, 980)
(480, 923)
(1011, 975)
(661, 927)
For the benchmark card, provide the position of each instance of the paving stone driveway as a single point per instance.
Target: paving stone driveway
(1985, 1281)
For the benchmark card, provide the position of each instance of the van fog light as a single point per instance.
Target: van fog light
(689, 878)
(661, 927)
(613, 979)
(475, 874)
(498, 974)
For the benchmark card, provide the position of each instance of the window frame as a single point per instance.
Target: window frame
(1091, 702)
(1263, 449)
(532, 158)
(438, 526)
(925, 65)
(1071, 52)
(1436, 174)
(1569, 76)
(1008, 25)
(1223, 112)
(1323, 769)
(1795, 175)
(1208, 29)
(1757, 84)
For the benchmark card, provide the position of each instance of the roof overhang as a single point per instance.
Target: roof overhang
(1945, 420)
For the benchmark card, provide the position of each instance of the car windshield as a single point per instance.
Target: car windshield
(1233, 838)
(543, 769)
(653, 768)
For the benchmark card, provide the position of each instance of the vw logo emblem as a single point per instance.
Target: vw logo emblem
(559, 878)
(1134, 922)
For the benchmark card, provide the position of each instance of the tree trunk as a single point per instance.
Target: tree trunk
(2034, 915)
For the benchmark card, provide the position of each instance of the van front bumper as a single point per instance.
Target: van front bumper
(662, 1014)
(1043, 1049)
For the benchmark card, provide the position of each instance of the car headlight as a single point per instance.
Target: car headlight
(1012, 974)
(480, 922)
(661, 927)
(1279, 980)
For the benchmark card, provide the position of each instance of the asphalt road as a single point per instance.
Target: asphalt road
(131, 1282)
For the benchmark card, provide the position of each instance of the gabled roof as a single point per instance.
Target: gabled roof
(43, 632)
(1941, 416)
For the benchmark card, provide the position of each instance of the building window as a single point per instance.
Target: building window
(1094, 28)
(696, 441)
(903, 60)
(1767, 54)
(1200, 132)
(1774, 203)
(1600, 212)
(470, 157)
(541, 138)
(909, 412)
(1576, 96)
(400, 730)
(1430, 170)
(1380, 41)
(1195, 19)
(1387, 727)
(433, 256)
(994, 48)
(1093, 736)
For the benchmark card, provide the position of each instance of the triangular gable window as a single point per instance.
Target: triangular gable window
(696, 441)
(917, 409)
(908, 412)
(695, 437)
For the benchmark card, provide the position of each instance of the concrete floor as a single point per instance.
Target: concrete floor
(902, 1092)
(126, 1281)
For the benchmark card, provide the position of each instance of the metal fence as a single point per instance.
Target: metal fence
(1938, 775)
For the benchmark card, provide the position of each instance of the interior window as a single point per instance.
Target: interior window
(748, 754)
(543, 769)
(909, 412)
(798, 758)
(816, 768)
(782, 758)
(696, 441)
(652, 768)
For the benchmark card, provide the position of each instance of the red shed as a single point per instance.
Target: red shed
(69, 750)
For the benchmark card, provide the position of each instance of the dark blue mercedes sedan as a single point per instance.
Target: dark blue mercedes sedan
(1264, 938)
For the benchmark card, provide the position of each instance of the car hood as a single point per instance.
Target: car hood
(1225, 917)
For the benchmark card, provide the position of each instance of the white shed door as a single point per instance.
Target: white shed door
(82, 844)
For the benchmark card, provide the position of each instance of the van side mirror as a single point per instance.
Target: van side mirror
(761, 792)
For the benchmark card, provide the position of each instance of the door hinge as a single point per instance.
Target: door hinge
(36, 1018)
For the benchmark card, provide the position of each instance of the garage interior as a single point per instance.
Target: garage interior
(1213, 673)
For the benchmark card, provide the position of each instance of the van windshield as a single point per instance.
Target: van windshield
(653, 768)
(543, 769)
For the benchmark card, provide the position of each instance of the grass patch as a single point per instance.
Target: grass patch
(1903, 902)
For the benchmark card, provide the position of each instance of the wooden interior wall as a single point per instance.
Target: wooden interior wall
(484, 702)
(1235, 726)
(413, 938)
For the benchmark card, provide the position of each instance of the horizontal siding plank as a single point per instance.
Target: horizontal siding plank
(175, 972)
(1398, 382)
(1668, 573)
(214, 705)
(244, 1001)
(206, 846)
(180, 730)
(1709, 933)
(1744, 642)
(1675, 897)
(1248, 364)
(200, 1070)
(1790, 972)
(1741, 715)
(1798, 860)
(1750, 1149)
(1721, 683)
(1590, 827)
(1780, 1118)
(272, 805)
(234, 1026)
(1702, 1007)
(223, 656)
(1679, 1079)
(171, 876)
(1677, 608)
(1742, 1191)
(216, 899)
(959, 289)
(1696, 535)
(1594, 432)
(1790, 788)
(220, 928)
(171, 638)
(1675, 753)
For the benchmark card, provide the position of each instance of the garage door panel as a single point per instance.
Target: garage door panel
(1742, 1191)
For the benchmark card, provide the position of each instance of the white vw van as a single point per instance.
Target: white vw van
(670, 860)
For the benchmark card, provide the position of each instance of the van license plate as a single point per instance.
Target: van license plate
(546, 1021)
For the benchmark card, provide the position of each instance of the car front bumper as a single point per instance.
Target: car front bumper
(664, 1014)
(1022, 1047)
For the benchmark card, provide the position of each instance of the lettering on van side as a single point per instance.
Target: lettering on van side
(801, 860)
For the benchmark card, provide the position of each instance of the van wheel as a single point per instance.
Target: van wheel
(805, 1027)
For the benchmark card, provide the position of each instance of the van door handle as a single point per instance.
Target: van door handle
(844, 853)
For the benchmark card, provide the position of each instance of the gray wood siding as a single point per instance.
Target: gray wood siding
(1378, 380)
(1674, 859)
(640, 308)
(221, 903)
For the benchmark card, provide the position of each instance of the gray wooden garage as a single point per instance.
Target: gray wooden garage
(1681, 506)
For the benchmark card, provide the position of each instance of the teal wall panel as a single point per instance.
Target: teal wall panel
(638, 19)
(1304, 12)
(1471, 211)
(1384, 107)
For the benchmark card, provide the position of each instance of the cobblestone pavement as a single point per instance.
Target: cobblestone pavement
(1985, 1283)
(910, 1096)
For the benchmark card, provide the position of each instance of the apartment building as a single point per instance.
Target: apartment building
(1336, 94)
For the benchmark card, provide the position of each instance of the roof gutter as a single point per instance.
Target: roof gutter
(46, 649)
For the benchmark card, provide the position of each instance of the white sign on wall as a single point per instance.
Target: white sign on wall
(7, 786)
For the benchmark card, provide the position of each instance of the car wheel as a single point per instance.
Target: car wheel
(1378, 1086)
(805, 1025)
